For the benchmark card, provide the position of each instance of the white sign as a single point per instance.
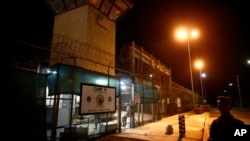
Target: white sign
(97, 99)
(168, 101)
(178, 102)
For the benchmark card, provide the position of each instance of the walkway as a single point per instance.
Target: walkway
(156, 131)
(196, 126)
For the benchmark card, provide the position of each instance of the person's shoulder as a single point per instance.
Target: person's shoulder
(215, 121)
(238, 121)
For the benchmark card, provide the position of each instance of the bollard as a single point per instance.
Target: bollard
(169, 129)
(182, 129)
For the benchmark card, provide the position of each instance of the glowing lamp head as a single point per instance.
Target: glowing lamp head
(183, 34)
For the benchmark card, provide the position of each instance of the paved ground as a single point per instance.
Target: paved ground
(196, 126)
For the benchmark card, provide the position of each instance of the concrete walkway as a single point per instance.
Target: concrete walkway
(196, 126)
(156, 131)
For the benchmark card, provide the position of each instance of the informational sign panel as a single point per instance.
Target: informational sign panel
(97, 99)
(168, 101)
(178, 102)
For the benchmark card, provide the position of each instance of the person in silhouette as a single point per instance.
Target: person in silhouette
(125, 116)
(224, 127)
(97, 120)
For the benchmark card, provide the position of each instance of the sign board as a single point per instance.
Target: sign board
(137, 98)
(178, 102)
(168, 101)
(97, 99)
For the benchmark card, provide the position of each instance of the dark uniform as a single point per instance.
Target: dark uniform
(223, 128)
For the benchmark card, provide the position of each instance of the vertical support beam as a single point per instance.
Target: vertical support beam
(120, 105)
(55, 117)
(133, 58)
(142, 77)
(238, 85)
(133, 106)
(71, 112)
(55, 108)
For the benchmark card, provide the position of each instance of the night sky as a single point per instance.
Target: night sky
(223, 44)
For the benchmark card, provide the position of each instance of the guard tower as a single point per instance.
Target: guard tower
(84, 36)
(84, 32)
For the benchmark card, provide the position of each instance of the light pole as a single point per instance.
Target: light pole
(229, 89)
(151, 78)
(203, 75)
(185, 35)
(199, 65)
(238, 85)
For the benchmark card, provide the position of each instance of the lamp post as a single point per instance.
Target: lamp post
(185, 35)
(238, 85)
(203, 75)
(154, 112)
(199, 65)
(229, 89)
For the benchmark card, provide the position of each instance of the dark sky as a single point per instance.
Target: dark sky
(223, 45)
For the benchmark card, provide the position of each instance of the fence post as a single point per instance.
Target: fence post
(182, 129)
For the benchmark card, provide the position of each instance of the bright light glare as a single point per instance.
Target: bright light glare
(203, 75)
(183, 34)
(199, 64)
(101, 82)
(50, 72)
(194, 33)
(123, 87)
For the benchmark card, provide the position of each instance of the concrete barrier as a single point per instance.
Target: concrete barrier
(205, 108)
(198, 110)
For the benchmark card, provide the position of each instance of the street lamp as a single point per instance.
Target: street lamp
(185, 35)
(199, 65)
(229, 89)
(248, 61)
(238, 85)
(152, 81)
(203, 75)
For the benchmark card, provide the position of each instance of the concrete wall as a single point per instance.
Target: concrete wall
(85, 38)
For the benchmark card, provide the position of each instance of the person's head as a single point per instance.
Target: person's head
(224, 104)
